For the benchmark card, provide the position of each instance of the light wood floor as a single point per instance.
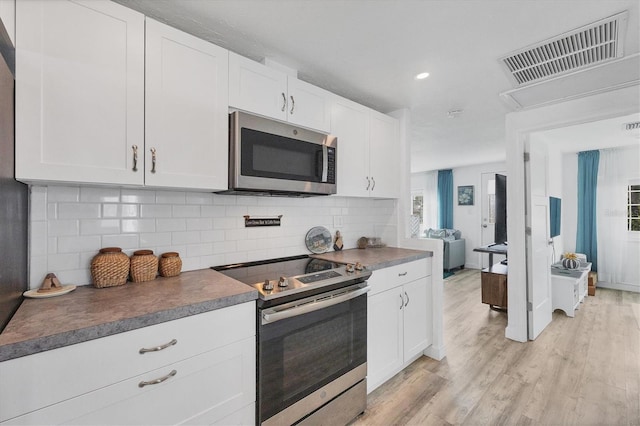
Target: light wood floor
(580, 371)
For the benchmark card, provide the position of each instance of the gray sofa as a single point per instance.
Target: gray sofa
(454, 247)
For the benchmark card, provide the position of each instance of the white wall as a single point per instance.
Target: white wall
(70, 224)
(468, 219)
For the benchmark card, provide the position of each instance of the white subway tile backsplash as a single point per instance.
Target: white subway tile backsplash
(186, 211)
(168, 225)
(169, 197)
(185, 237)
(69, 225)
(139, 196)
(199, 198)
(57, 194)
(38, 203)
(99, 226)
(78, 211)
(138, 225)
(39, 236)
(99, 195)
(119, 210)
(63, 262)
(155, 239)
(124, 241)
(154, 210)
(59, 228)
(199, 224)
(78, 244)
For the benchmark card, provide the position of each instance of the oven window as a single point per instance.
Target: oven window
(301, 354)
(279, 157)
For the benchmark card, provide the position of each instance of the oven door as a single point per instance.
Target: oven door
(304, 346)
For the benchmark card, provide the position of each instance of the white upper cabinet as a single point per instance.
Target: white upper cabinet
(258, 89)
(368, 151)
(384, 155)
(350, 124)
(79, 91)
(186, 98)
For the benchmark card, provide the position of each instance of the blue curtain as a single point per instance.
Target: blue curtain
(445, 199)
(586, 236)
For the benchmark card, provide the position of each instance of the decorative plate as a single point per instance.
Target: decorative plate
(33, 294)
(318, 239)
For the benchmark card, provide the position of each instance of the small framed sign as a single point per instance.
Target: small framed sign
(250, 222)
(465, 195)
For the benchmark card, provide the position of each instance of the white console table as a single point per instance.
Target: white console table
(569, 287)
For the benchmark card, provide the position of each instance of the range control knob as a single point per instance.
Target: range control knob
(282, 282)
(267, 286)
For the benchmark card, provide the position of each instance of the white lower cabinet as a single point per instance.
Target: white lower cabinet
(399, 324)
(205, 375)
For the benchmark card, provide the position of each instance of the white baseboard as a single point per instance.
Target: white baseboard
(437, 353)
(618, 286)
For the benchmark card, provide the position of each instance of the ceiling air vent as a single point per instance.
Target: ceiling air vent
(583, 47)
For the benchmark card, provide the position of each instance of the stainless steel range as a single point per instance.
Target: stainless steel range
(312, 339)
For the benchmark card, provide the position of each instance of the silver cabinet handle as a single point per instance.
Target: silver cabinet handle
(403, 274)
(401, 302)
(374, 183)
(293, 104)
(407, 302)
(368, 183)
(158, 348)
(153, 160)
(135, 158)
(284, 101)
(157, 381)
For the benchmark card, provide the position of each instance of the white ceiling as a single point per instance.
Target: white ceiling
(370, 51)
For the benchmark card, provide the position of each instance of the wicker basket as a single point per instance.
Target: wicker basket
(170, 264)
(144, 266)
(109, 268)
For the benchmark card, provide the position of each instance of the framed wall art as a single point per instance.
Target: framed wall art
(465, 195)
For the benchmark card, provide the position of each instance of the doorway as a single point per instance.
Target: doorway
(488, 206)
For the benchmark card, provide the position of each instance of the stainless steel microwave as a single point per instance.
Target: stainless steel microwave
(267, 157)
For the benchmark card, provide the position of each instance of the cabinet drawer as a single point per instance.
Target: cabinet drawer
(42, 379)
(211, 386)
(393, 276)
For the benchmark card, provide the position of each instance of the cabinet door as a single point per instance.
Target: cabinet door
(417, 323)
(79, 91)
(309, 106)
(350, 124)
(384, 336)
(384, 156)
(256, 88)
(186, 124)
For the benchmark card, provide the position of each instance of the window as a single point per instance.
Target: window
(418, 206)
(491, 200)
(633, 208)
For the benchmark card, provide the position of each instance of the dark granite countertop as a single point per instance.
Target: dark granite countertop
(89, 313)
(375, 258)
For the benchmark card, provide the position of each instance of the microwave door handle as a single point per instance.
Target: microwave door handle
(325, 163)
(270, 316)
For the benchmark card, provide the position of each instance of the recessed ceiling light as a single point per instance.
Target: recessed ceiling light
(422, 76)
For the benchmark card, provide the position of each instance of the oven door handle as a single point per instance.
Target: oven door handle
(270, 315)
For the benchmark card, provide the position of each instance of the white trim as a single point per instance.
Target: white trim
(634, 288)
